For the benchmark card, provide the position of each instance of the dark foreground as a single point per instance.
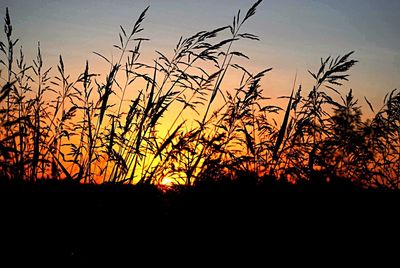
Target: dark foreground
(67, 224)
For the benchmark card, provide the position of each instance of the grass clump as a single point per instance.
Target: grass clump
(82, 130)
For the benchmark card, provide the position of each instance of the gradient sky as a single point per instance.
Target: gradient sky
(294, 34)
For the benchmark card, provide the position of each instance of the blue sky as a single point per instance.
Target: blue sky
(294, 33)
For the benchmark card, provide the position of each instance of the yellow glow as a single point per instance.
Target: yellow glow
(168, 182)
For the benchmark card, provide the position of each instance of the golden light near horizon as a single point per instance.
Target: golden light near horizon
(168, 182)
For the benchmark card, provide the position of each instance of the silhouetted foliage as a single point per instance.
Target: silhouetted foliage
(56, 127)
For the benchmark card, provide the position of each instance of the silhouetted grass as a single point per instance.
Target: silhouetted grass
(81, 130)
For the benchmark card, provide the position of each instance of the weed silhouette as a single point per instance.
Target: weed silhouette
(80, 130)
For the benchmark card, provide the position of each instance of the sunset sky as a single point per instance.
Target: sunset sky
(294, 34)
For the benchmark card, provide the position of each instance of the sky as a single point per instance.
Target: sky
(294, 34)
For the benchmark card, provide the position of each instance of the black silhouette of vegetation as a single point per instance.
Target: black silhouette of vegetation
(65, 129)
(61, 136)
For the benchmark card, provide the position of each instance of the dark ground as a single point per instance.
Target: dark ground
(67, 224)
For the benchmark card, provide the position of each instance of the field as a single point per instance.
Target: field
(122, 163)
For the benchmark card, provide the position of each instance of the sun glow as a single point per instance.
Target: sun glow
(167, 182)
